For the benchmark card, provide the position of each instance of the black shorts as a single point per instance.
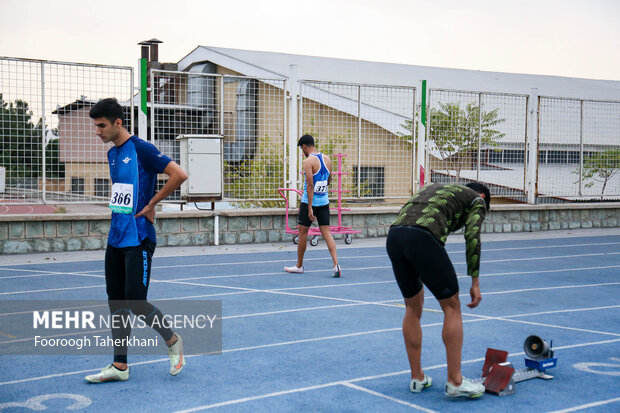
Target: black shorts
(321, 213)
(418, 257)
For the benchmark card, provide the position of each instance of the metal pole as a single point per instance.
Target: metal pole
(143, 108)
(414, 156)
(479, 134)
(285, 133)
(221, 105)
(531, 138)
(421, 150)
(131, 114)
(43, 152)
(294, 113)
(581, 149)
(359, 141)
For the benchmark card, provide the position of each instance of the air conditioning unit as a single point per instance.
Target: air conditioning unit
(202, 160)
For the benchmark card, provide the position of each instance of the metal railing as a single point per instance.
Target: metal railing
(372, 125)
(250, 113)
(48, 144)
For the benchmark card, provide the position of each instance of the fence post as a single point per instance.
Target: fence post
(293, 130)
(359, 141)
(43, 152)
(420, 166)
(142, 112)
(581, 148)
(532, 145)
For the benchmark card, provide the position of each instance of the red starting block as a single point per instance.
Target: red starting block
(499, 376)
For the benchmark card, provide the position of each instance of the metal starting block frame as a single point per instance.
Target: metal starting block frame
(499, 376)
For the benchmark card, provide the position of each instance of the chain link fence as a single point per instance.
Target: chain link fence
(250, 114)
(478, 136)
(49, 150)
(578, 149)
(373, 126)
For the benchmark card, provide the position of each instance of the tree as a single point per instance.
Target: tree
(601, 167)
(20, 139)
(454, 131)
(456, 134)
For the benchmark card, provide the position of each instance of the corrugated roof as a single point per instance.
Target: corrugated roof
(271, 64)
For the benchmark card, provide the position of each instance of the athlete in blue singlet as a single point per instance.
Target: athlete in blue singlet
(317, 169)
(134, 165)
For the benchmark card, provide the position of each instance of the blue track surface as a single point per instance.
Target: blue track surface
(313, 343)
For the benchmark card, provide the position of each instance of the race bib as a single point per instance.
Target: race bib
(320, 187)
(122, 198)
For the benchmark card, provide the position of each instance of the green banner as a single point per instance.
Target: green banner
(423, 108)
(143, 85)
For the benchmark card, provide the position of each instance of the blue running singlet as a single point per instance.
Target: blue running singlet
(133, 168)
(320, 178)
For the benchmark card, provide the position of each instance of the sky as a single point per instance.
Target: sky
(574, 38)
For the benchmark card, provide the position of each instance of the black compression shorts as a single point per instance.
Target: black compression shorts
(419, 258)
(321, 213)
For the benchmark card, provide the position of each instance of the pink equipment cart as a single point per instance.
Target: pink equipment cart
(315, 232)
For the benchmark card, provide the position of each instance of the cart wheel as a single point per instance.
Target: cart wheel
(314, 241)
(296, 239)
(347, 239)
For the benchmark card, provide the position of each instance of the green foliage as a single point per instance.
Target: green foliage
(257, 178)
(21, 152)
(601, 167)
(454, 131)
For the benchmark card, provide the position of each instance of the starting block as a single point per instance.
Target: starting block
(499, 376)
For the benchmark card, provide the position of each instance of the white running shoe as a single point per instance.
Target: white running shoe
(177, 357)
(110, 373)
(466, 389)
(336, 271)
(294, 269)
(416, 386)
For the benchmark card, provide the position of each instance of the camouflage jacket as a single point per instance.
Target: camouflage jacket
(443, 209)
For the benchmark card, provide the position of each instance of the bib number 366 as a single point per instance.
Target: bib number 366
(121, 200)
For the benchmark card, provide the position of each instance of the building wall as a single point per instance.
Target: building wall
(78, 141)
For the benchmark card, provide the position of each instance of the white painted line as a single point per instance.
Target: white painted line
(587, 406)
(385, 396)
(582, 330)
(341, 382)
(53, 289)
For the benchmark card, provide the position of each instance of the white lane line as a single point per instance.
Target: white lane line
(201, 254)
(587, 405)
(237, 263)
(384, 303)
(607, 307)
(337, 383)
(53, 289)
(581, 330)
(385, 396)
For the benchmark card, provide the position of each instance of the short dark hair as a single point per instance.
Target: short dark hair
(108, 108)
(481, 189)
(306, 140)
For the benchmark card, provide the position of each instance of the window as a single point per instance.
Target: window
(514, 156)
(372, 181)
(495, 155)
(102, 187)
(77, 185)
(557, 157)
(573, 156)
